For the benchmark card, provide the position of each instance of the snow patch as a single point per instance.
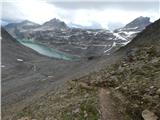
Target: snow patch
(99, 45)
(89, 32)
(125, 43)
(83, 48)
(113, 45)
(2, 66)
(119, 36)
(130, 33)
(96, 33)
(133, 28)
(50, 76)
(29, 24)
(20, 60)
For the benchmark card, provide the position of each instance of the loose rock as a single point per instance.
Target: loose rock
(148, 115)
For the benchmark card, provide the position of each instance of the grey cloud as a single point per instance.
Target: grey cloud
(11, 12)
(125, 5)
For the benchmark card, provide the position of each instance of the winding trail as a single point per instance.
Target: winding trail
(108, 107)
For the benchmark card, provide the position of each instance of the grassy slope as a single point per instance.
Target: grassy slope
(73, 102)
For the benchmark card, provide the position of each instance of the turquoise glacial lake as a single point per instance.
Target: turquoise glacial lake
(46, 51)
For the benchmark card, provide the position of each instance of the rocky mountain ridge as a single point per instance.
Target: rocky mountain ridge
(77, 41)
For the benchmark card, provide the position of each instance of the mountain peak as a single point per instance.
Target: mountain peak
(139, 22)
(27, 22)
(56, 23)
(55, 20)
(22, 24)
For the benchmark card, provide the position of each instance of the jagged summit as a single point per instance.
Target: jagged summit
(148, 36)
(54, 20)
(130, 30)
(27, 22)
(139, 22)
(56, 23)
(22, 24)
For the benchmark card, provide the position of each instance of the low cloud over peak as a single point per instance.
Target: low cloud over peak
(82, 12)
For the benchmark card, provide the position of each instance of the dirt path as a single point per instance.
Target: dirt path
(107, 106)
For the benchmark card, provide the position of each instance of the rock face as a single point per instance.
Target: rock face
(140, 23)
(15, 29)
(129, 31)
(56, 23)
(77, 41)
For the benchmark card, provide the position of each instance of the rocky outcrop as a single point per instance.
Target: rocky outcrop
(139, 23)
(55, 24)
(130, 30)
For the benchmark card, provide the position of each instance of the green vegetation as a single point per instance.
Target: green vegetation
(74, 102)
(137, 78)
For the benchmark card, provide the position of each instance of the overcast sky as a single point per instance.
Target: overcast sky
(81, 12)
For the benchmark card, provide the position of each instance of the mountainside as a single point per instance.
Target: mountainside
(13, 52)
(15, 29)
(55, 23)
(140, 23)
(128, 89)
(27, 75)
(130, 30)
(134, 80)
(80, 42)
